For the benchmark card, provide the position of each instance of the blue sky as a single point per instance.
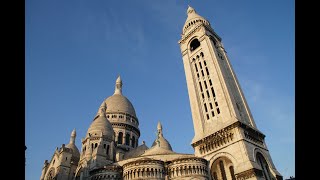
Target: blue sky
(74, 51)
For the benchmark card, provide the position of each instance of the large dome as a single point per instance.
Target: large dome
(118, 102)
(101, 125)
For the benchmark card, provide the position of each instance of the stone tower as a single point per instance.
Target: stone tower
(225, 132)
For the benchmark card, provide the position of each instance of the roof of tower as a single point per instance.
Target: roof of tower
(118, 102)
(192, 19)
(101, 124)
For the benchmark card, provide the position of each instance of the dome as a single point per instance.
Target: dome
(118, 102)
(101, 125)
(72, 146)
(193, 18)
(75, 150)
(161, 141)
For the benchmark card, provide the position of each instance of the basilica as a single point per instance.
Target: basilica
(227, 143)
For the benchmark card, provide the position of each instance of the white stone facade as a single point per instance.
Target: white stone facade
(227, 143)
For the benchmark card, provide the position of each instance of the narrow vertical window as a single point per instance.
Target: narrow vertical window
(232, 173)
(127, 139)
(216, 103)
(104, 146)
(205, 85)
(198, 75)
(208, 94)
(108, 147)
(207, 71)
(205, 107)
(195, 65)
(210, 82)
(214, 95)
(202, 73)
(218, 110)
(208, 116)
(202, 96)
(120, 136)
(223, 172)
(204, 62)
(200, 65)
(212, 113)
(133, 141)
(211, 106)
(200, 86)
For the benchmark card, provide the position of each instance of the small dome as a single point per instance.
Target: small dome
(193, 18)
(72, 146)
(119, 103)
(163, 143)
(101, 125)
(75, 150)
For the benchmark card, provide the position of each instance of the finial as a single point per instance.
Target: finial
(74, 133)
(159, 126)
(190, 10)
(118, 89)
(73, 136)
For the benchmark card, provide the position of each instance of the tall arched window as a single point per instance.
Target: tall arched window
(108, 147)
(194, 44)
(264, 166)
(223, 172)
(133, 141)
(120, 136)
(232, 173)
(128, 139)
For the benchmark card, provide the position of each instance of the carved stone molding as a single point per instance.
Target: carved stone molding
(249, 174)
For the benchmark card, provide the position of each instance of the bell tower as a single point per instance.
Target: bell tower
(225, 132)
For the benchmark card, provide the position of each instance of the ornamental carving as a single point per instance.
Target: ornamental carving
(249, 174)
(252, 134)
(215, 140)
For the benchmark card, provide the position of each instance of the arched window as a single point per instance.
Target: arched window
(194, 44)
(133, 141)
(264, 166)
(232, 173)
(108, 147)
(120, 136)
(128, 139)
(223, 172)
(51, 174)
